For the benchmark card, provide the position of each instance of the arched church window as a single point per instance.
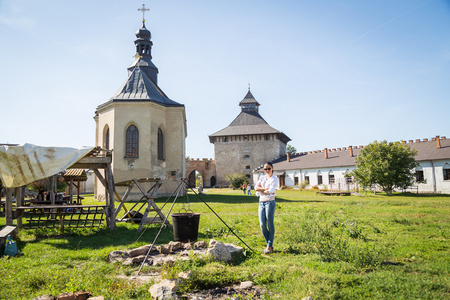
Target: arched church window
(160, 144)
(132, 142)
(107, 139)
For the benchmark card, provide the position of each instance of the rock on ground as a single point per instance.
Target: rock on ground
(165, 290)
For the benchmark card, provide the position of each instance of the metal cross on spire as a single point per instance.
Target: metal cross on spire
(143, 9)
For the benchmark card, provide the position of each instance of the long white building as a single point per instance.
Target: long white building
(327, 168)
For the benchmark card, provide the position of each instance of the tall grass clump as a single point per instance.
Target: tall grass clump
(334, 240)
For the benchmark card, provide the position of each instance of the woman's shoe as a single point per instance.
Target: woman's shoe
(268, 250)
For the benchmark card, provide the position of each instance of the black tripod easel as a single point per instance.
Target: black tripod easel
(180, 190)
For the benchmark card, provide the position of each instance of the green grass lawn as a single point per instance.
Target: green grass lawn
(327, 247)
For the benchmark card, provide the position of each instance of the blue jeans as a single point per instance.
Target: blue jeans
(266, 215)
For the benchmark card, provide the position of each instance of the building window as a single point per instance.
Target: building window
(295, 180)
(446, 171)
(307, 179)
(132, 142)
(160, 144)
(331, 179)
(349, 179)
(246, 156)
(247, 167)
(319, 179)
(419, 176)
(224, 139)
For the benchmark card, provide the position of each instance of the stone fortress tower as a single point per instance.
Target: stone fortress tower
(145, 129)
(246, 143)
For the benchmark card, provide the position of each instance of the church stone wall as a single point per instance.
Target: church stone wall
(243, 156)
(147, 117)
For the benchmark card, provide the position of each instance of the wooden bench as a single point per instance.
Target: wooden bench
(63, 216)
(8, 230)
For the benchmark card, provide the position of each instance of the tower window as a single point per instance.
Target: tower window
(132, 142)
(160, 144)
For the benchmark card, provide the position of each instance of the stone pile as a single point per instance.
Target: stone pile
(161, 254)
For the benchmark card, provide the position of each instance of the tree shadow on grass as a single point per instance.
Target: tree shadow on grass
(123, 237)
(421, 195)
(230, 199)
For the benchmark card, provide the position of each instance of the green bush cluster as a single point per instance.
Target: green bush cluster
(333, 240)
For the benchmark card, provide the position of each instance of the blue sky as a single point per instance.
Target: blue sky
(327, 73)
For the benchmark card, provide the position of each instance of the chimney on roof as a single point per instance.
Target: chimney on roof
(442, 137)
(325, 151)
(438, 142)
(288, 156)
(410, 141)
(351, 150)
(417, 141)
(425, 140)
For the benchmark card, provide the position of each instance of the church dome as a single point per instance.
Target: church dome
(143, 33)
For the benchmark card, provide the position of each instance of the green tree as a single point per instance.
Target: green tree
(236, 180)
(291, 149)
(389, 165)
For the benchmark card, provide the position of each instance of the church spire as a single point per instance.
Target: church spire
(143, 55)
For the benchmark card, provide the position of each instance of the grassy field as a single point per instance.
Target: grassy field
(327, 247)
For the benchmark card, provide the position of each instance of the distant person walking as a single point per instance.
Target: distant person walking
(249, 190)
(244, 188)
(265, 189)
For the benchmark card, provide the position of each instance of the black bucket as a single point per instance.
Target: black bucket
(185, 227)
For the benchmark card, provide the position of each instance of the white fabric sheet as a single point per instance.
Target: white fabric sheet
(22, 165)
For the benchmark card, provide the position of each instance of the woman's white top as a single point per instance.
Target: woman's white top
(270, 183)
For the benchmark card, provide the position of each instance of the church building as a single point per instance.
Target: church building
(144, 127)
(246, 143)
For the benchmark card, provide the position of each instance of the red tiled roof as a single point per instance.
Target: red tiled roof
(427, 150)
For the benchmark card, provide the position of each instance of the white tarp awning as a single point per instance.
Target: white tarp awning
(21, 165)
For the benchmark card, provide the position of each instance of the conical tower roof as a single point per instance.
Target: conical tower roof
(249, 121)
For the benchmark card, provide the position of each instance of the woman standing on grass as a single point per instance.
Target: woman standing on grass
(265, 189)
